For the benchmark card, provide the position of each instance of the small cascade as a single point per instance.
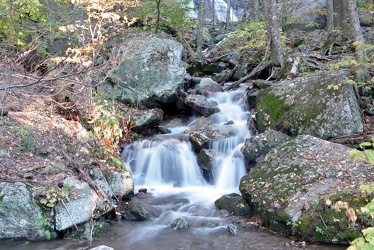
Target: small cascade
(170, 160)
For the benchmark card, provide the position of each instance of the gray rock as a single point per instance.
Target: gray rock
(206, 86)
(233, 229)
(259, 145)
(20, 216)
(152, 69)
(134, 210)
(83, 204)
(201, 139)
(321, 104)
(148, 119)
(121, 183)
(200, 104)
(234, 204)
(289, 187)
(180, 223)
(205, 159)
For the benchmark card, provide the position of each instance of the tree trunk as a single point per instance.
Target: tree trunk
(256, 9)
(213, 13)
(228, 16)
(329, 16)
(362, 74)
(277, 51)
(200, 26)
(158, 2)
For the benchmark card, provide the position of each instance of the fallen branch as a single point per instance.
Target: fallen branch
(85, 177)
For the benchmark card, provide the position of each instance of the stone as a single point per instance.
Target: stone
(288, 190)
(320, 104)
(180, 223)
(20, 215)
(234, 204)
(121, 183)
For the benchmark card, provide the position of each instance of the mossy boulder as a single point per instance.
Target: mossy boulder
(299, 185)
(321, 104)
(234, 204)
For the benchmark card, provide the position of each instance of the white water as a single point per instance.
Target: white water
(169, 160)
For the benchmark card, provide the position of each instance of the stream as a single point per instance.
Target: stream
(166, 166)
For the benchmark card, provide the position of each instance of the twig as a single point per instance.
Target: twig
(322, 220)
(71, 218)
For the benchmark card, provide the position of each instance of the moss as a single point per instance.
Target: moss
(324, 224)
(273, 106)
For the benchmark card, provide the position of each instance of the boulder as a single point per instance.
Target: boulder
(148, 119)
(234, 204)
(121, 183)
(308, 186)
(200, 104)
(201, 139)
(151, 70)
(321, 104)
(20, 215)
(83, 204)
(134, 210)
(259, 145)
(307, 14)
(206, 86)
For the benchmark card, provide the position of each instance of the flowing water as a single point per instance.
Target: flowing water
(167, 167)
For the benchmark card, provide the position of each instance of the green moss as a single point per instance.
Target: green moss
(273, 106)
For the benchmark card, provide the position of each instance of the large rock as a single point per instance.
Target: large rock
(308, 186)
(259, 145)
(83, 204)
(20, 215)
(152, 69)
(307, 15)
(322, 104)
(121, 183)
(200, 104)
(201, 139)
(148, 119)
(234, 204)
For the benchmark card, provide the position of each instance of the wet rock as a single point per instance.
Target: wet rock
(259, 145)
(134, 210)
(201, 139)
(206, 86)
(88, 230)
(180, 223)
(121, 183)
(234, 204)
(200, 104)
(290, 187)
(20, 215)
(148, 119)
(199, 124)
(233, 229)
(205, 159)
(321, 104)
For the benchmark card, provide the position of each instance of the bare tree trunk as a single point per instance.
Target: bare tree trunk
(228, 16)
(158, 3)
(256, 9)
(200, 26)
(329, 16)
(214, 13)
(362, 74)
(277, 52)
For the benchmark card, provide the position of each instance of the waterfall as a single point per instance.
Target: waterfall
(170, 160)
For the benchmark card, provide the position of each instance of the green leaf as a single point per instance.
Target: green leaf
(364, 145)
(370, 155)
(355, 154)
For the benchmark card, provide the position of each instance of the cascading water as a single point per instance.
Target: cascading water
(170, 160)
